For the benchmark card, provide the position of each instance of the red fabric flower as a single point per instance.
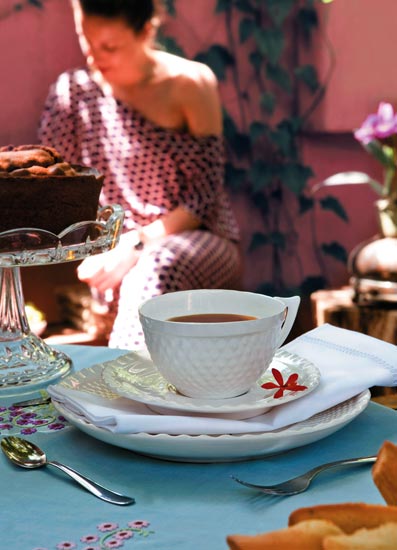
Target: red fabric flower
(290, 385)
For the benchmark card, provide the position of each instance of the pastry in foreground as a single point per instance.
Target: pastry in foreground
(307, 535)
(383, 537)
(384, 472)
(349, 516)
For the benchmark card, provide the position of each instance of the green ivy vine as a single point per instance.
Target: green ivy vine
(264, 157)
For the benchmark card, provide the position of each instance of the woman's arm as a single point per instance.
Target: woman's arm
(174, 222)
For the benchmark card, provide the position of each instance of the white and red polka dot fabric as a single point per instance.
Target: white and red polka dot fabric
(149, 170)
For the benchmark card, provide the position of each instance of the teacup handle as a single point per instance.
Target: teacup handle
(292, 305)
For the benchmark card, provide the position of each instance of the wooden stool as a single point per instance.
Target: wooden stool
(337, 308)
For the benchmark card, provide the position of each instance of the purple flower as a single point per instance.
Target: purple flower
(378, 126)
(28, 431)
(138, 523)
(28, 415)
(56, 426)
(89, 538)
(123, 535)
(66, 545)
(5, 426)
(113, 543)
(107, 526)
(22, 422)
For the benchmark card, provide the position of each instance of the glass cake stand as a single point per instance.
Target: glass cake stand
(27, 363)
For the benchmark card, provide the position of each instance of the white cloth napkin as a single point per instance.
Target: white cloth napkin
(349, 363)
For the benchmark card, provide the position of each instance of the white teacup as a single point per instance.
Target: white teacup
(213, 360)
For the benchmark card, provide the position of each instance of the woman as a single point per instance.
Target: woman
(151, 123)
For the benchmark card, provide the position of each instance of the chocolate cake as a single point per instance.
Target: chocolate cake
(39, 190)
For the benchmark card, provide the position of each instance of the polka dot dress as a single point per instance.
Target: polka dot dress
(149, 170)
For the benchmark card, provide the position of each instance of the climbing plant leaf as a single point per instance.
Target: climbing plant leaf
(295, 177)
(280, 76)
(332, 203)
(218, 58)
(246, 29)
(258, 239)
(170, 7)
(277, 238)
(260, 175)
(223, 5)
(268, 102)
(270, 43)
(258, 129)
(234, 177)
(308, 75)
(311, 284)
(245, 6)
(336, 250)
(171, 45)
(307, 20)
(305, 203)
(256, 60)
(279, 10)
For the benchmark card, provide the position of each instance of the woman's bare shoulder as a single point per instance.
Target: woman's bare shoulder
(195, 89)
(186, 69)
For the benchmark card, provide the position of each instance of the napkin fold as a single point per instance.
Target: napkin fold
(349, 363)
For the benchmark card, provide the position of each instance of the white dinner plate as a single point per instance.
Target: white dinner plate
(225, 448)
(135, 376)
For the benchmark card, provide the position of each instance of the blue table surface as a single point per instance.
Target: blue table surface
(178, 505)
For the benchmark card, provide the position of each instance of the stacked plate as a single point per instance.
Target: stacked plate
(134, 377)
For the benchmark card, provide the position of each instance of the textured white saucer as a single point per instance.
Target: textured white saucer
(134, 376)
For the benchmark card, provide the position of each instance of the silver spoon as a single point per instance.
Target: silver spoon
(24, 453)
(32, 402)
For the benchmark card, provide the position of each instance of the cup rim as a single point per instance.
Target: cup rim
(171, 295)
(158, 324)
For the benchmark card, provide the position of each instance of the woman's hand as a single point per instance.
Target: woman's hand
(106, 271)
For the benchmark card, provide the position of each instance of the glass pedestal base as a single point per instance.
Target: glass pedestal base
(28, 364)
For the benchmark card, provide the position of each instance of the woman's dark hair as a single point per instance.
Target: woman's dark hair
(136, 13)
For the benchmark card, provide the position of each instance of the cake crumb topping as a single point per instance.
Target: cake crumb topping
(33, 160)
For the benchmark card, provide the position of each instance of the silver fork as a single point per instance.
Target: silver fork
(301, 483)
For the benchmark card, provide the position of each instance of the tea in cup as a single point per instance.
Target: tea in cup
(215, 344)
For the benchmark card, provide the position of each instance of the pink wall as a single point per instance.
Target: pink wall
(36, 45)
(353, 51)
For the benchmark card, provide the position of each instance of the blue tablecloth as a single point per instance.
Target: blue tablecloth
(178, 505)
